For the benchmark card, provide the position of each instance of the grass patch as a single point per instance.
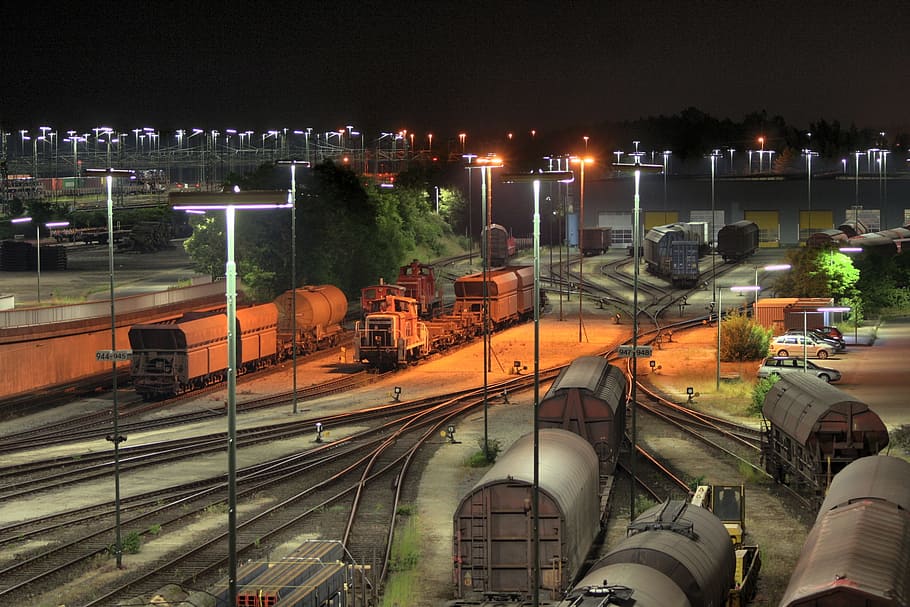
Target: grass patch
(751, 475)
(405, 510)
(478, 459)
(403, 583)
(643, 502)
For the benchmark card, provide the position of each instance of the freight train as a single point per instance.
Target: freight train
(502, 245)
(887, 242)
(173, 357)
(812, 430)
(672, 252)
(737, 241)
(394, 334)
(595, 241)
(582, 425)
(858, 550)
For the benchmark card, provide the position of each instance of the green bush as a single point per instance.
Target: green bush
(900, 438)
(494, 448)
(758, 393)
(742, 338)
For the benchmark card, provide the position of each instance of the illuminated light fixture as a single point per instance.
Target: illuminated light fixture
(230, 202)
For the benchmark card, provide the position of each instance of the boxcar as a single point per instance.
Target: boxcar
(493, 554)
(595, 241)
(588, 398)
(502, 245)
(659, 254)
(812, 430)
(675, 555)
(737, 240)
(858, 551)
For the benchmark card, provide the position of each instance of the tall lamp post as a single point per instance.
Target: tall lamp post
(720, 315)
(809, 154)
(115, 437)
(487, 164)
(52, 224)
(293, 164)
(637, 168)
(229, 202)
(715, 155)
(581, 229)
(535, 179)
(777, 267)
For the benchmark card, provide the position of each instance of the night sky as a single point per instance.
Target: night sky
(450, 66)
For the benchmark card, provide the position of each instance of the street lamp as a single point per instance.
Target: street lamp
(52, 224)
(293, 164)
(777, 267)
(666, 154)
(809, 154)
(229, 202)
(535, 179)
(487, 164)
(636, 167)
(581, 229)
(761, 153)
(720, 314)
(805, 314)
(714, 157)
(115, 437)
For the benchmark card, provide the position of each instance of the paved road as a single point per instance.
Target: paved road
(878, 375)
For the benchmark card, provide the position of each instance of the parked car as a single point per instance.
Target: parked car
(785, 345)
(837, 344)
(832, 332)
(778, 365)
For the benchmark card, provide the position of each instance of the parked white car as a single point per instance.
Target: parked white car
(795, 345)
(778, 365)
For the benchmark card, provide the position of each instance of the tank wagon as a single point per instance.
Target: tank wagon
(320, 311)
(493, 557)
(595, 241)
(672, 252)
(858, 550)
(177, 356)
(171, 358)
(737, 241)
(812, 430)
(674, 555)
(396, 335)
(588, 398)
(502, 245)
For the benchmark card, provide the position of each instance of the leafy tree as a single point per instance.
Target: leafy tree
(742, 338)
(818, 272)
(206, 247)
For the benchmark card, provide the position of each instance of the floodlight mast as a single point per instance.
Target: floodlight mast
(637, 168)
(535, 179)
(230, 202)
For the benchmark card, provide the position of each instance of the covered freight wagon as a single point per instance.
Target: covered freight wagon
(493, 552)
(595, 241)
(737, 240)
(588, 398)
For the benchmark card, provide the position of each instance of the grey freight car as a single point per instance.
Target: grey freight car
(737, 240)
(589, 399)
(493, 552)
(858, 551)
(675, 555)
(812, 430)
(667, 257)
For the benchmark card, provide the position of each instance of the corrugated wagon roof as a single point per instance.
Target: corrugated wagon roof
(877, 476)
(855, 555)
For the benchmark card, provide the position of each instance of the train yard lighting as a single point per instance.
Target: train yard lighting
(809, 154)
(777, 267)
(637, 168)
(720, 315)
(230, 202)
(293, 164)
(714, 156)
(581, 228)
(115, 437)
(761, 153)
(535, 179)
